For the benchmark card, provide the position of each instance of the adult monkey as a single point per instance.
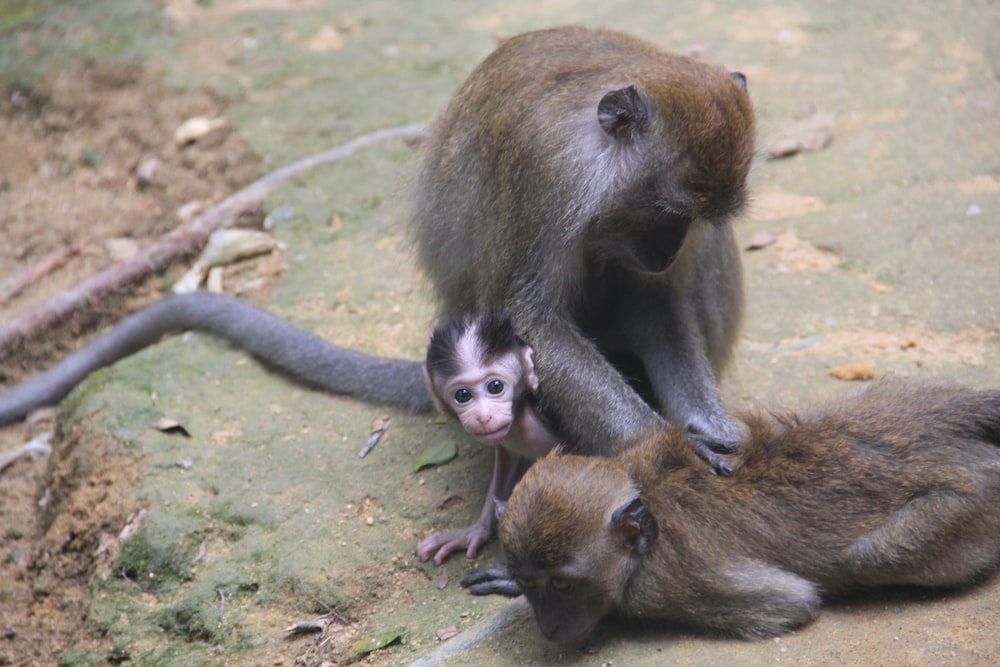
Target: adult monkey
(585, 181)
(581, 179)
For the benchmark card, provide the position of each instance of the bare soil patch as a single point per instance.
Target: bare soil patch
(91, 174)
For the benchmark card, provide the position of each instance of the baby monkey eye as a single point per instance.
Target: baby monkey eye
(463, 396)
(495, 387)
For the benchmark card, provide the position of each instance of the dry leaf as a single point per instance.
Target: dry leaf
(782, 205)
(306, 627)
(329, 38)
(799, 255)
(379, 426)
(170, 425)
(197, 128)
(225, 246)
(761, 240)
(202, 550)
(858, 370)
(809, 134)
(133, 525)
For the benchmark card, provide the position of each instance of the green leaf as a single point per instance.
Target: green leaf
(435, 455)
(369, 644)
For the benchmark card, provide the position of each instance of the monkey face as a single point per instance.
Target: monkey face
(484, 395)
(572, 533)
(567, 608)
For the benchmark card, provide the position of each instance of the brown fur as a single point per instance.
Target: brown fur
(584, 181)
(899, 485)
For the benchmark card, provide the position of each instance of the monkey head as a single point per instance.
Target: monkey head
(689, 129)
(479, 371)
(572, 534)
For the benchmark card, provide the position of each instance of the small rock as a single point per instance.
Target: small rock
(197, 128)
(121, 249)
(145, 173)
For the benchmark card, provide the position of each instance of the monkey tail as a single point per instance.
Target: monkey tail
(273, 341)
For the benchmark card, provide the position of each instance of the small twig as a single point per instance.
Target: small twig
(373, 439)
(222, 608)
(17, 284)
(183, 241)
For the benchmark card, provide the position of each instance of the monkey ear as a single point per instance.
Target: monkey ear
(622, 112)
(636, 524)
(432, 388)
(528, 361)
(740, 78)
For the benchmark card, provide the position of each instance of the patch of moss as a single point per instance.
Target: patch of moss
(193, 618)
(152, 563)
(81, 658)
(16, 13)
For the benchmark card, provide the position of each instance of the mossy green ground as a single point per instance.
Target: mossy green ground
(265, 515)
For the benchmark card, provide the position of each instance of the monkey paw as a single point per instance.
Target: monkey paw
(714, 453)
(442, 544)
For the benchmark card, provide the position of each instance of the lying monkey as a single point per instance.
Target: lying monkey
(481, 372)
(899, 485)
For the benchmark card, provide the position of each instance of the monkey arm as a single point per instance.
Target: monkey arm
(275, 342)
(507, 469)
(600, 412)
(671, 342)
(491, 580)
(688, 395)
(595, 406)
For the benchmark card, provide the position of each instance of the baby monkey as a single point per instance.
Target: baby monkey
(899, 485)
(481, 372)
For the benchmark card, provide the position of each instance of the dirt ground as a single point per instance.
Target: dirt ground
(73, 200)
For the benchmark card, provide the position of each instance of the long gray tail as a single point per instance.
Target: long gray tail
(278, 344)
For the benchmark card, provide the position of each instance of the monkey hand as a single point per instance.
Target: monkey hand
(492, 580)
(714, 452)
(443, 543)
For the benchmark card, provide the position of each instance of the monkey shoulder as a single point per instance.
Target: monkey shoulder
(660, 453)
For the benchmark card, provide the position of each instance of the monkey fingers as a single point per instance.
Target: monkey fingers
(444, 543)
(713, 452)
(492, 580)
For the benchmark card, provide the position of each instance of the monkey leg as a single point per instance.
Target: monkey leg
(941, 538)
(507, 469)
(752, 599)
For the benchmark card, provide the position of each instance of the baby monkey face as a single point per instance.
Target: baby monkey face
(485, 394)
